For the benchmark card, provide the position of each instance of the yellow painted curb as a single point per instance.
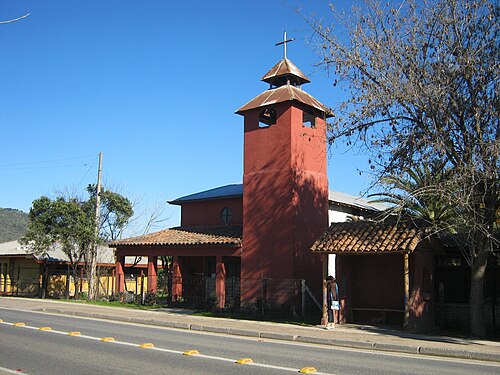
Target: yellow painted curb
(74, 333)
(44, 329)
(108, 339)
(19, 324)
(147, 345)
(191, 352)
(307, 370)
(244, 361)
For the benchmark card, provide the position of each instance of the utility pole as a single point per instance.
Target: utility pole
(95, 245)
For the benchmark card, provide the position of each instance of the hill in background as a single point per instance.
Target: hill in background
(13, 224)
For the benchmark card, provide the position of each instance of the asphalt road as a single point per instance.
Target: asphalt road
(37, 352)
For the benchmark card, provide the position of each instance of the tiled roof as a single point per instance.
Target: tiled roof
(284, 94)
(284, 68)
(368, 237)
(227, 235)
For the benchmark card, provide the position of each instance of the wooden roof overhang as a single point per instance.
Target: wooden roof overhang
(369, 238)
(184, 241)
(282, 94)
(192, 251)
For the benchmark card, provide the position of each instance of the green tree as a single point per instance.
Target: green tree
(70, 223)
(115, 212)
(60, 222)
(421, 80)
(417, 194)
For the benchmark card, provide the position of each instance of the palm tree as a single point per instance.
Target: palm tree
(419, 193)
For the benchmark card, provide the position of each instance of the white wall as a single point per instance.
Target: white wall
(334, 217)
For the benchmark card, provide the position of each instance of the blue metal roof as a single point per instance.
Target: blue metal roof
(227, 191)
(236, 190)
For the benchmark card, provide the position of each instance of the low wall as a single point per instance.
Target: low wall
(456, 315)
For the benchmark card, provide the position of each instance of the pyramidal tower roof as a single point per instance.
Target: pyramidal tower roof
(285, 81)
(285, 72)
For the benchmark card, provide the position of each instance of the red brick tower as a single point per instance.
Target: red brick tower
(285, 186)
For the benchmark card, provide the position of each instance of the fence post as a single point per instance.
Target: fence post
(442, 313)
(143, 297)
(233, 291)
(262, 296)
(303, 295)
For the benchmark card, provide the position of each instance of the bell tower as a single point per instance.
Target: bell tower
(285, 184)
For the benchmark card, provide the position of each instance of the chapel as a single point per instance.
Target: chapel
(241, 243)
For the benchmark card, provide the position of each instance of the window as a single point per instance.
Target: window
(226, 215)
(308, 119)
(267, 117)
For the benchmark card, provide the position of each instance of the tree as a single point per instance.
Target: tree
(416, 194)
(70, 223)
(115, 212)
(422, 88)
(60, 222)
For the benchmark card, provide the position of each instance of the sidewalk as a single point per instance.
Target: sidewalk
(352, 336)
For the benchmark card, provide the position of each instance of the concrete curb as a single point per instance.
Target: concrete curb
(396, 348)
(355, 344)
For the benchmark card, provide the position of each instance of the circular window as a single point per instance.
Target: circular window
(226, 215)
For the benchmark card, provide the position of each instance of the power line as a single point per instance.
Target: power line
(39, 164)
(44, 167)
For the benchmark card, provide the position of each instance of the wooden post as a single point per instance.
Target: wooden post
(176, 278)
(81, 280)
(67, 286)
(143, 295)
(407, 289)
(220, 282)
(324, 309)
(120, 276)
(303, 296)
(152, 278)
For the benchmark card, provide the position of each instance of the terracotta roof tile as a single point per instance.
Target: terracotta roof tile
(368, 237)
(283, 94)
(228, 235)
(284, 67)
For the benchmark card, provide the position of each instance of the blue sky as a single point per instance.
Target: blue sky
(153, 85)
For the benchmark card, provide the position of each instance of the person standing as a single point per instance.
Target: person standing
(332, 293)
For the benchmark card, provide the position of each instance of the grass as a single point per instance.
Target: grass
(114, 304)
(271, 317)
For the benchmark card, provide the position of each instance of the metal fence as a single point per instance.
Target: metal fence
(264, 296)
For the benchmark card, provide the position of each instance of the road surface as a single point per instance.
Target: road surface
(75, 345)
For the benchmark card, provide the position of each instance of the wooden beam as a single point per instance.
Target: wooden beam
(324, 311)
(407, 289)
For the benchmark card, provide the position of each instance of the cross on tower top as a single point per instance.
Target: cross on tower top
(284, 42)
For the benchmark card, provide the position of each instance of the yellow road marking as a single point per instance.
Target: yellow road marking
(307, 370)
(108, 339)
(45, 329)
(191, 352)
(244, 361)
